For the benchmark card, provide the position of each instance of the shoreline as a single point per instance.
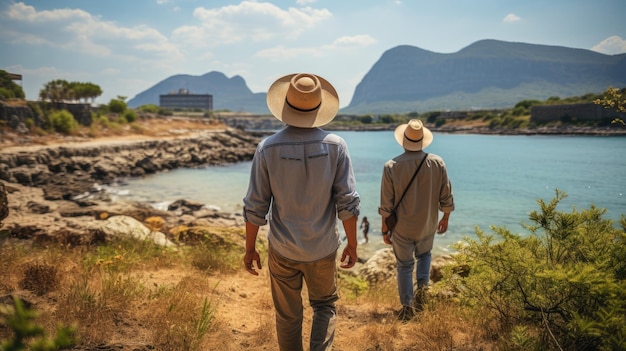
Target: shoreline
(55, 191)
(55, 188)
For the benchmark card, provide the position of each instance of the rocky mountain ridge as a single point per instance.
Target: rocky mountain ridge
(485, 74)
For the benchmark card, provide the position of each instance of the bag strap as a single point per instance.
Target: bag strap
(411, 181)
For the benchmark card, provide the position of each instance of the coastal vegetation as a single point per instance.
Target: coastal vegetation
(561, 286)
(516, 117)
(115, 116)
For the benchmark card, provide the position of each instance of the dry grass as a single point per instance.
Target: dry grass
(139, 297)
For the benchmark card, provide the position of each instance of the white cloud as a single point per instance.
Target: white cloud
(79, 31)
(611, 46)
(511, 18)
(248, 20)
(280, 52)
(355, 41)
(305, 2)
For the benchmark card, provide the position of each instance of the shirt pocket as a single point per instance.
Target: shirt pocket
(316, 151)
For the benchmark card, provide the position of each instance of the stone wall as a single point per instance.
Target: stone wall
(16, 116)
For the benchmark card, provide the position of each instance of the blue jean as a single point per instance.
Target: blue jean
(286, 279)
(406, 256)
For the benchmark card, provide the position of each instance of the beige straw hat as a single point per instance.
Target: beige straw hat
(303, 100)
(413, 136)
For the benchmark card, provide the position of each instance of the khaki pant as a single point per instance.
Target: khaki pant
(286, 278)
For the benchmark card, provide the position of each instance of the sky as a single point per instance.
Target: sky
(128, 46)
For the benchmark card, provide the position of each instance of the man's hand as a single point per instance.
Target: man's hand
(387, 239)
(443, 225)
(349, 252)
(249, 259)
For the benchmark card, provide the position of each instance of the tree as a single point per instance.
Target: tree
(61, 90)
(567, 279)
(55, 91)
(613, 98)
(8, 88)
(117, 105)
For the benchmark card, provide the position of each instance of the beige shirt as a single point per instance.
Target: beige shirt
(430, 192)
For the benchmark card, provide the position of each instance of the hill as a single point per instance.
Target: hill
(228, 93)
(486, 74)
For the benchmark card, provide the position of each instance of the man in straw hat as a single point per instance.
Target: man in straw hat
(417, 212)
(302, 181)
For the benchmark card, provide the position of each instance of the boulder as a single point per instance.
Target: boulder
(128, 227)
(380, 267)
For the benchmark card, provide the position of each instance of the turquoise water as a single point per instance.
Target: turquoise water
(497, 180)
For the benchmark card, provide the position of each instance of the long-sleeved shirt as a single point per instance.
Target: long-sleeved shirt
(302, 181)
(430, 192)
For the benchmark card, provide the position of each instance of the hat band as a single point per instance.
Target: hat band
(414, 141)
(303, 110)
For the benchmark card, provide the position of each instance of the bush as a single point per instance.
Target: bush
(117, 106)
(130, 116)
(8, 88)
(63, 122)
(39, 278)
(27, 334)
(566, 279)
(150, 108)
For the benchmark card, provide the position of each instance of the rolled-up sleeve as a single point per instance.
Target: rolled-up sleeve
(446, 198)
(259, 196)
(347, 198)
(386, 191)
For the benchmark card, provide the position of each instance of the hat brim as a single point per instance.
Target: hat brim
(277, 103)
(411, 145)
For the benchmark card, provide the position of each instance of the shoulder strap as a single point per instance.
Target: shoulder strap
(411, 181)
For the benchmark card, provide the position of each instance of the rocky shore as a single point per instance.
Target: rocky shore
(55, 193)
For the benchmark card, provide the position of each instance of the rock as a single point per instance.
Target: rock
(380, 267)
(36, 207)
(4, 203)
(186, 206)
(125, 226)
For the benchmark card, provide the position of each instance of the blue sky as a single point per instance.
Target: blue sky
(128, 46)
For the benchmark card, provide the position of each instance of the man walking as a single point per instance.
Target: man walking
(427, 192)
(301, 181)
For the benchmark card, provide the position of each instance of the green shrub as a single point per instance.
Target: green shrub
(130, 116)
(63, 122)
(26, 334)
(565, 279)
(366, 119)
(117, 106)
(150, 108)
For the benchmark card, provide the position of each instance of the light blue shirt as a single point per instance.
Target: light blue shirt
(302, 181)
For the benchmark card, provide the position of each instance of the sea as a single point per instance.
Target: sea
(497, 180)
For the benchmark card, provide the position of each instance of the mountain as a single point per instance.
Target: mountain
(486, 74)
(228, 93)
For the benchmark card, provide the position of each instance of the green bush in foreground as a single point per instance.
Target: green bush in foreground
(27, 334)
(563, 287)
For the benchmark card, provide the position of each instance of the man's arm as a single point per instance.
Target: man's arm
(349, 225)
(385, 230)
(443, 223)
(252, 254)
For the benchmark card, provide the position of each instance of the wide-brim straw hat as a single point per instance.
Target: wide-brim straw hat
(303, 100)
(413, 136)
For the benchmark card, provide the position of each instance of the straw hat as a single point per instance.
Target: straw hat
(303, 100)
(413, 136)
